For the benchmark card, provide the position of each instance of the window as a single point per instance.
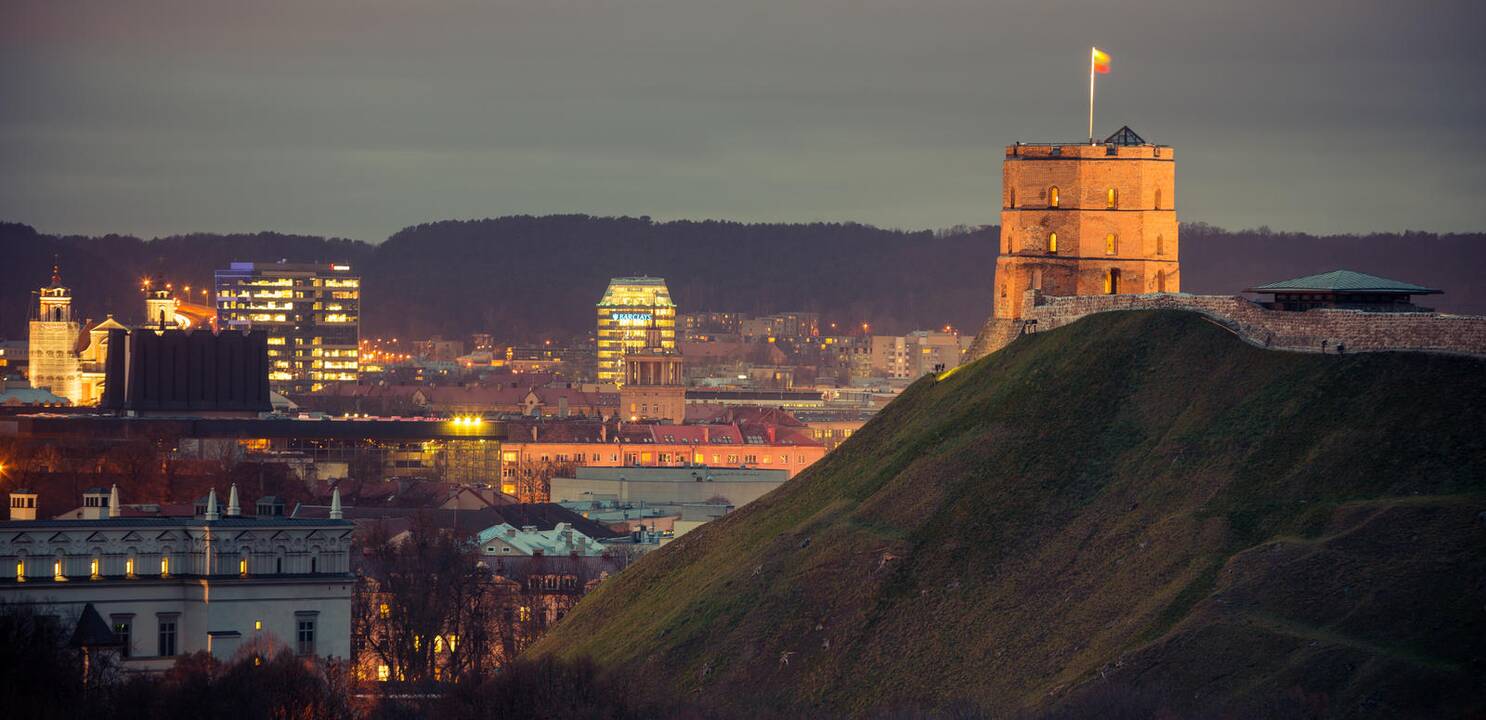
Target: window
(1158, 198)
(129, 568)
(1011, 197)
(1111, 199)
(383, 673)
(306, 634)
(1052, 242)
(1052, 196)
(1109, 244)
(167, 635)
(1160, 244)
(123, 625)
(242, 565)
(93, 569)
(165, 565)
(58, 572)
(1112, 281)
(20, 571)
(1160, 281)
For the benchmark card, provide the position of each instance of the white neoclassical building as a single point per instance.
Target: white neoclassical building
(170, 586)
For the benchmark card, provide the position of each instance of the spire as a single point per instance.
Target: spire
(211, 506)
(335, 504)
(234, 509)
(56, 274)
(113, 501)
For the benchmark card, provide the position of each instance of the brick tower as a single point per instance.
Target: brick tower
(1079, 219)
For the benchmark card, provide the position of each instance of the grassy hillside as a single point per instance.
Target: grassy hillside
(1135, 510)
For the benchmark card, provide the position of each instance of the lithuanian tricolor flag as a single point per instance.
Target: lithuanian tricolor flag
(1101, 61)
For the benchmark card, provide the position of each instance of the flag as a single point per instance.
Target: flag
(1101, 61)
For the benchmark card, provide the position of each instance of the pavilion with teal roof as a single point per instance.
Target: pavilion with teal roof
(1345, 290)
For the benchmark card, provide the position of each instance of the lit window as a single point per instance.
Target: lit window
(164, 566)
(20, 570)
(57, 573)
(242, 566)
(383, 673)
(93, 569)
(1052, 242)
(1052, 196)
(1111, 199)
(1109, 244)
(129, 568)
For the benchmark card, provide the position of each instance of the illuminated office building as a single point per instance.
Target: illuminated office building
(311, 312)
(635, 315)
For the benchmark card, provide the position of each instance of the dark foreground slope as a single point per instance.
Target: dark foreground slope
(1136, 510)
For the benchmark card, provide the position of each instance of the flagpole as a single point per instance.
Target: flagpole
(1091, 95)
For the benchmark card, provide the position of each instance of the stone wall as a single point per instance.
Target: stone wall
(1320, 331)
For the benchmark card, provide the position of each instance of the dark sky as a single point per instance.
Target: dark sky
(359, 117)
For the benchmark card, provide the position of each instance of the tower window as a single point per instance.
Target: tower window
(1111, 199)
(1158, 198)
(1052, 196)
(1160, 244)
(1112, 281)
(1160, 281)
(1052, 242)
(1109, 244)
(1011, 197)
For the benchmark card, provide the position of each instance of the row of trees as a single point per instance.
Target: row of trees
(431, 609)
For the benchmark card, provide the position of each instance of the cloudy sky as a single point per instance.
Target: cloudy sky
(358, 117)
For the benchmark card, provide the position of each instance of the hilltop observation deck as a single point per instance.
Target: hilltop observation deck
(1123, 144)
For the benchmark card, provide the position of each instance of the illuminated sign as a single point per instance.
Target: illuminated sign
(622, 316)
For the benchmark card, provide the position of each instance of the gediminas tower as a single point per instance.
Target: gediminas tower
(1083, 219)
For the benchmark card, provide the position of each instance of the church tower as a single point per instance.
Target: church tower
(159, 307)
(1079, 219)
(53, 339)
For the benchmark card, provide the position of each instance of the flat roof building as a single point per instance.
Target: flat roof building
(634, 315)
(311, 313)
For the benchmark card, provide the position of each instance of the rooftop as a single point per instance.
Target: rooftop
(1344, 281)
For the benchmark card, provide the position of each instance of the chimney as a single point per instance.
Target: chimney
(234, 509)
(23, 505)
(113, 502)
(211, 506)
(335, 504)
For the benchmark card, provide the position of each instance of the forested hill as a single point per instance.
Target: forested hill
(525, 278)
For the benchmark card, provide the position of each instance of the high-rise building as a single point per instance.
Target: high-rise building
(1081, 219)
(635, 315)
(311, 313)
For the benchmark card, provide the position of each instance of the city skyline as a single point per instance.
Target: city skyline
(165, 118)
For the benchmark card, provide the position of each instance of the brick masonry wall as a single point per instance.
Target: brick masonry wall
(1320, 331)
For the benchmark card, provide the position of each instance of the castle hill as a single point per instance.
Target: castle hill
(672, 360)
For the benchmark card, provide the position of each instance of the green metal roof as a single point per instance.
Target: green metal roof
(1344, 281)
